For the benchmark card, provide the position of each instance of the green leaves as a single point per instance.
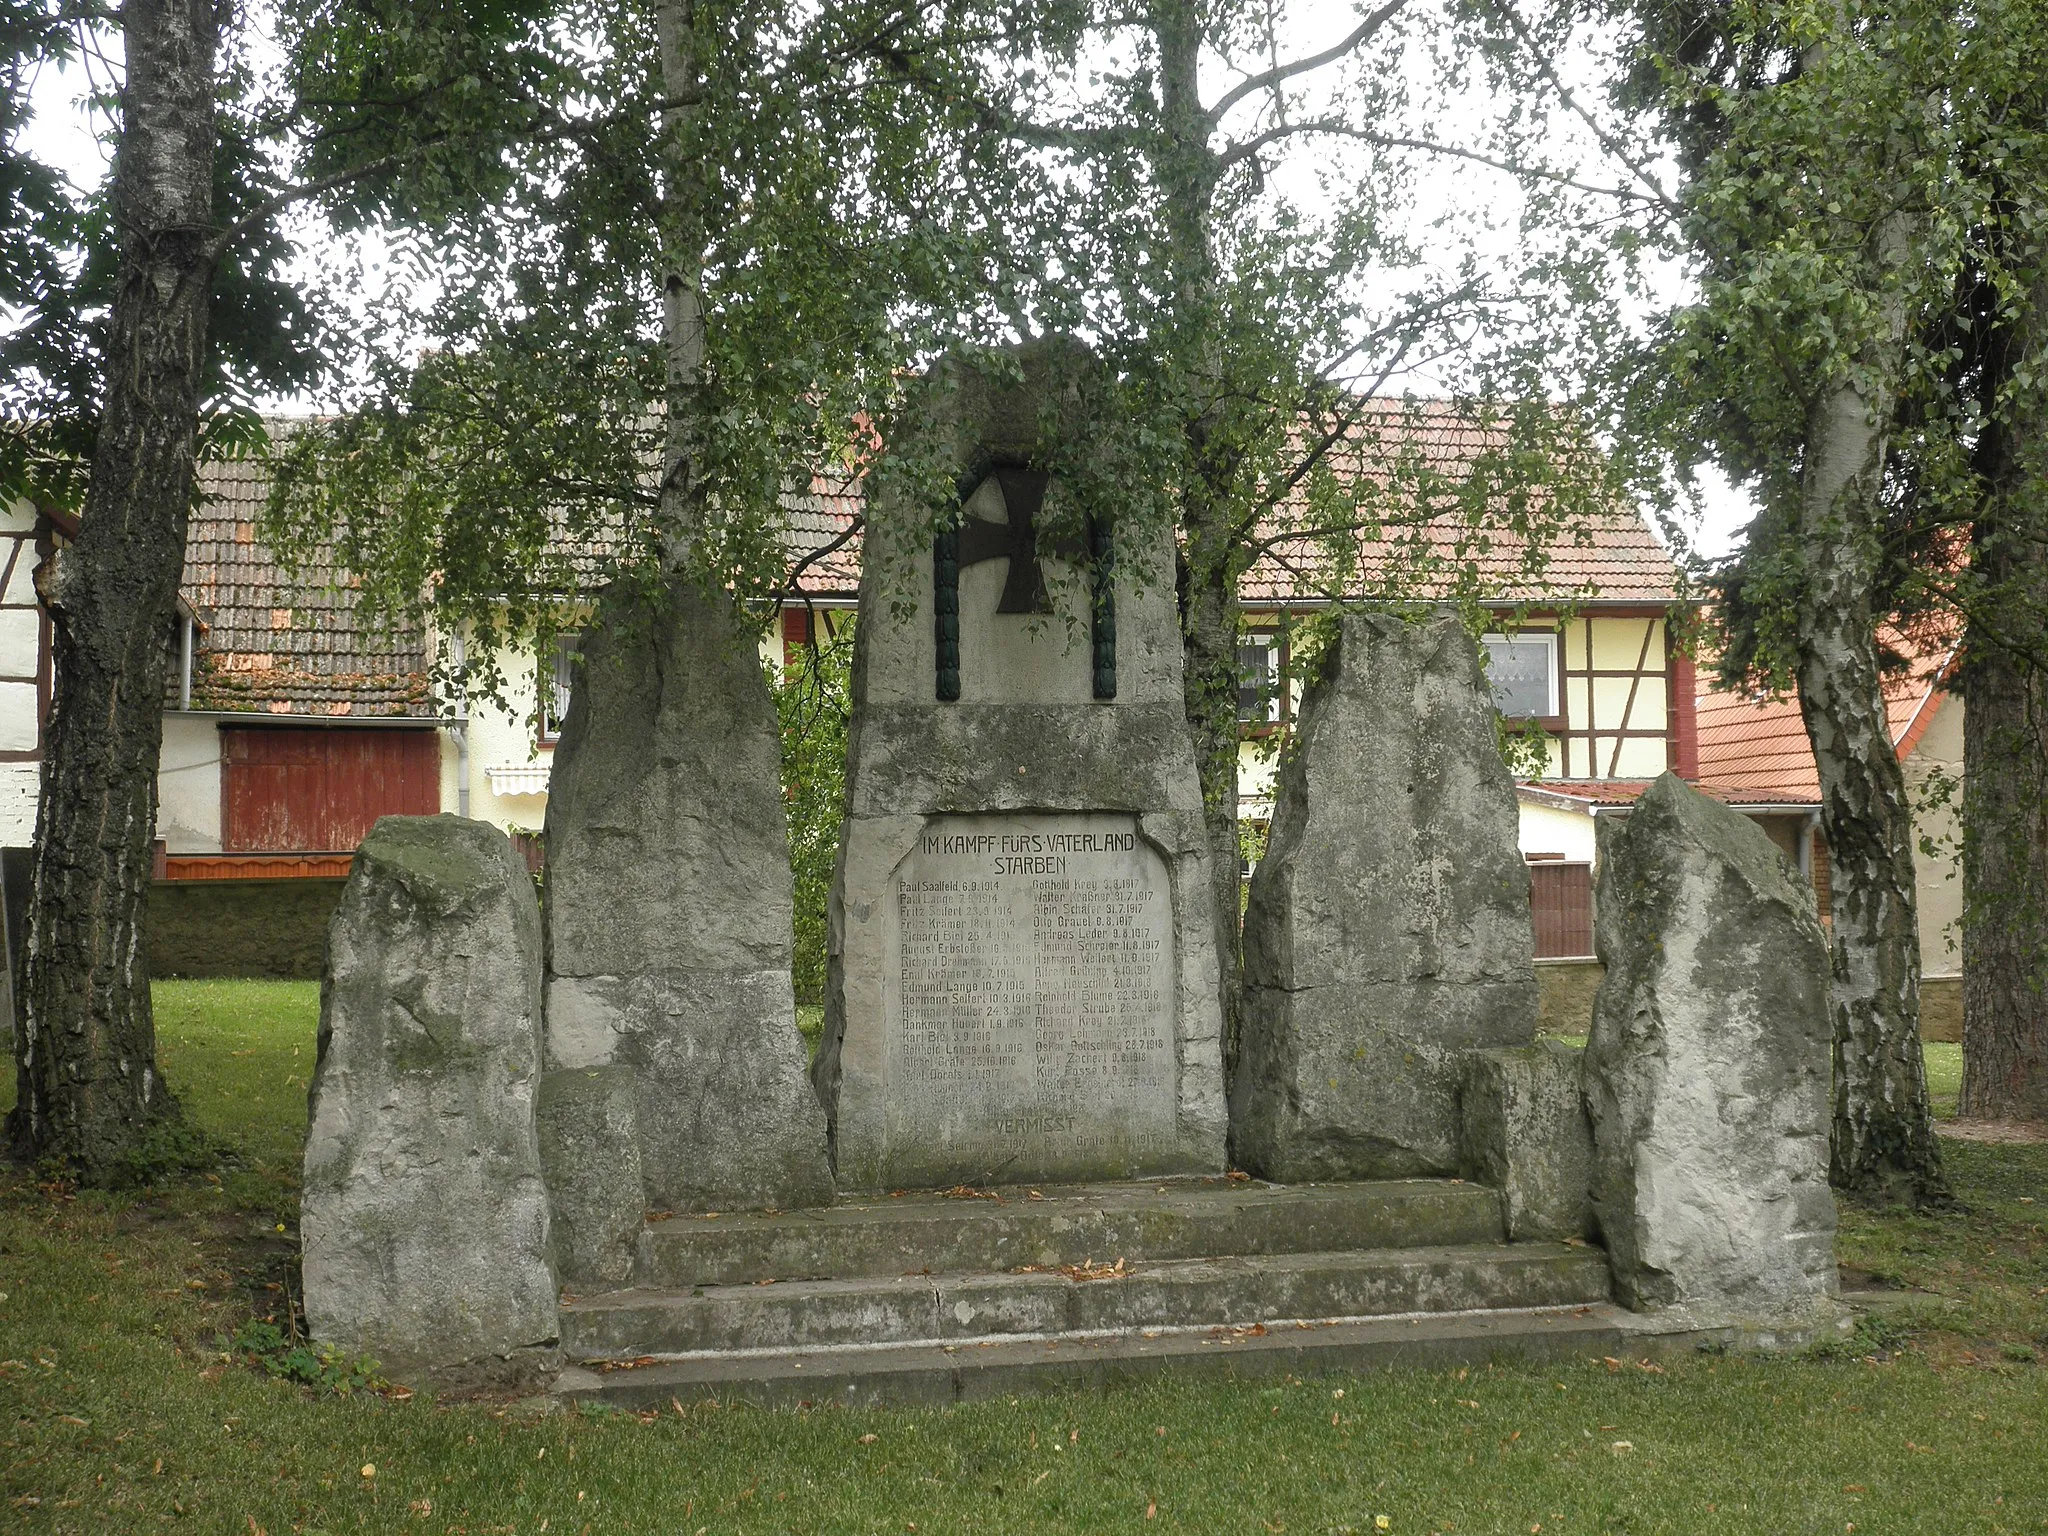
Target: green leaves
(323, 1367)
(814, 700)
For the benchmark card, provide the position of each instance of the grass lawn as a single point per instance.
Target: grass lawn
(118, 1412)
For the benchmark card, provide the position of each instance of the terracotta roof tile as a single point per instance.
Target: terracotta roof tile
(1759, 746)
(273, 644)
(1598, 793)
(276, 644)
(1611, 558)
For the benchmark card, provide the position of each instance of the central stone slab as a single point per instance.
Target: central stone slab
(1028, 997)
(1023, 981)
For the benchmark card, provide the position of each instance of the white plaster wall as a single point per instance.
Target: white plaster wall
(18, 785)
(188, 784)
(1940, 879)
(1545, 829)
(19, 728)
(1257, 768)
(21, 636)
(501, 736)
(21, 586)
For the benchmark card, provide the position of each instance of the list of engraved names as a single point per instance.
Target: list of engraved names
(1035, 1006)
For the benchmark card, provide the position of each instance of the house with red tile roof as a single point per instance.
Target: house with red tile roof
(295, 720)
(1752, 753)
(1757, 748)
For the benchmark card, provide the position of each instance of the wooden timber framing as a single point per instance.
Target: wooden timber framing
(1592, 731)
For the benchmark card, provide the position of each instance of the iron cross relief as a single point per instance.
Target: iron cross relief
(1016, 539)
(1023, 493)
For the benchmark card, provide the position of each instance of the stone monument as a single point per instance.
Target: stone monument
(668, 931)
(423, 1223)
(1388, 929)
(1522, 1130)
(1706, 1074)
(1023, 979)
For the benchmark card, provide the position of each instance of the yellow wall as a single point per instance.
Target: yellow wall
(1609, 704)
(1939, 879)
(500, 736)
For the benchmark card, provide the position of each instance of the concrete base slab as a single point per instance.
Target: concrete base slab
(977, 1230)
(1119, 1296)
(935, 1375)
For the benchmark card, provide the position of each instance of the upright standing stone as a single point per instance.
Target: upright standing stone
(1707, 1070)
(668, 916)
(1388, 930)
(423, 1221)
(1024, 980)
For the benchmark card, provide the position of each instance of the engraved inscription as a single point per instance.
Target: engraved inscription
(1033, 1018)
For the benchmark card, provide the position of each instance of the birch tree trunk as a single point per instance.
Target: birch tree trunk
(86, 1055)
(684, 235)
(1189, 173)
(2005, 754)
(1884, 1143)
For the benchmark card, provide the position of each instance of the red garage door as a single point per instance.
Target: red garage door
(292, 791)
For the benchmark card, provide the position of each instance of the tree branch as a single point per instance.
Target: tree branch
(790, 585)
(1241, 152)
(309, 189)
(1505, 10)
(1362, 34)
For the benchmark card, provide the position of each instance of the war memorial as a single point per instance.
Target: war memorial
(578, 1145)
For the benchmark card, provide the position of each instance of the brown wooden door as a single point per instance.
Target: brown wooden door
(1561, 901)
(289, 790)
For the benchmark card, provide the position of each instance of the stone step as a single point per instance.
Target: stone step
(934, 1375)
(1157, 1220)
(1236, 1291)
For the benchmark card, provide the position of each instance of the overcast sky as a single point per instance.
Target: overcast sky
(1477, 205)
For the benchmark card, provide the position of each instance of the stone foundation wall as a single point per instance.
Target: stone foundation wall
(1567, 988)
(1941, 1009)
(275, 930)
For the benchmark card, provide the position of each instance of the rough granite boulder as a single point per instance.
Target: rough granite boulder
(424, 1225)
(1522, 1130)
(1388, 931)
(668, 913)
(1706, 1074)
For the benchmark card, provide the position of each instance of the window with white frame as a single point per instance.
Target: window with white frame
(561, 679)
(1259, 693)
(1522, 671)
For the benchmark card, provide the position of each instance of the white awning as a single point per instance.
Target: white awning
(518, 778)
